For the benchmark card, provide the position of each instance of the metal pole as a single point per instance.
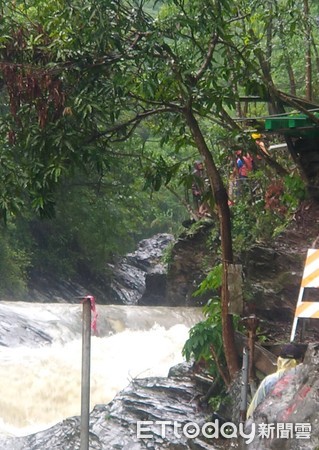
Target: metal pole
(252, 324)
(244, 385)
(85, 381)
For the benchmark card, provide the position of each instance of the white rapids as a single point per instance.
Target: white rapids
(41, 381)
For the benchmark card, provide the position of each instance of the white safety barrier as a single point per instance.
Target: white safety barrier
(310, 279)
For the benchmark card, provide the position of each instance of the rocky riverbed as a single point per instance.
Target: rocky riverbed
(142, 416)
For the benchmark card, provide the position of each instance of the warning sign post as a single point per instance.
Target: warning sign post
(310, 279)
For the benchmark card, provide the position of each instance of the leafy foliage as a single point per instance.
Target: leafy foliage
(205, 342)
(14, 262)
(265, 207)
(70, 95)
(203, 336)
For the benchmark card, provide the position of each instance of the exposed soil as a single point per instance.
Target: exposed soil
(303, 231)
(301, 235)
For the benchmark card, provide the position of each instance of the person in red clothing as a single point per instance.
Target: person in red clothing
(244, 165)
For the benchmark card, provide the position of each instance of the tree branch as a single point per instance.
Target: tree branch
(208, 59)
(183, 202)
(224, 376)
(131, 122)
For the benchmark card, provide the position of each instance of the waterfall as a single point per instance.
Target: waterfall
(41, 357)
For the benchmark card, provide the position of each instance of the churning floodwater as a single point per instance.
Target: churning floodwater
(40, 357)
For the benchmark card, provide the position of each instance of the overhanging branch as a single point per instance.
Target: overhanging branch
(131, 123)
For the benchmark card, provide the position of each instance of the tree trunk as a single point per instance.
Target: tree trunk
(292, 81)
(315, 50)
(221, 200)
(308, 52)
(287, 59)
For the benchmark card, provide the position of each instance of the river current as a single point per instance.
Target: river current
(40, 357)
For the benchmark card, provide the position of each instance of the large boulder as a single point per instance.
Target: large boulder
(140, 277)
(273, 277)
(192, 256)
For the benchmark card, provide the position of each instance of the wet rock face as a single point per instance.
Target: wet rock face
(273, 277)
(293, 409)
(140, 277)
(190, 259)
(307, 150)
(16, 329)
(129, 421)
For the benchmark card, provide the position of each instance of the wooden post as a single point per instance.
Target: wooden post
(85, 381)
